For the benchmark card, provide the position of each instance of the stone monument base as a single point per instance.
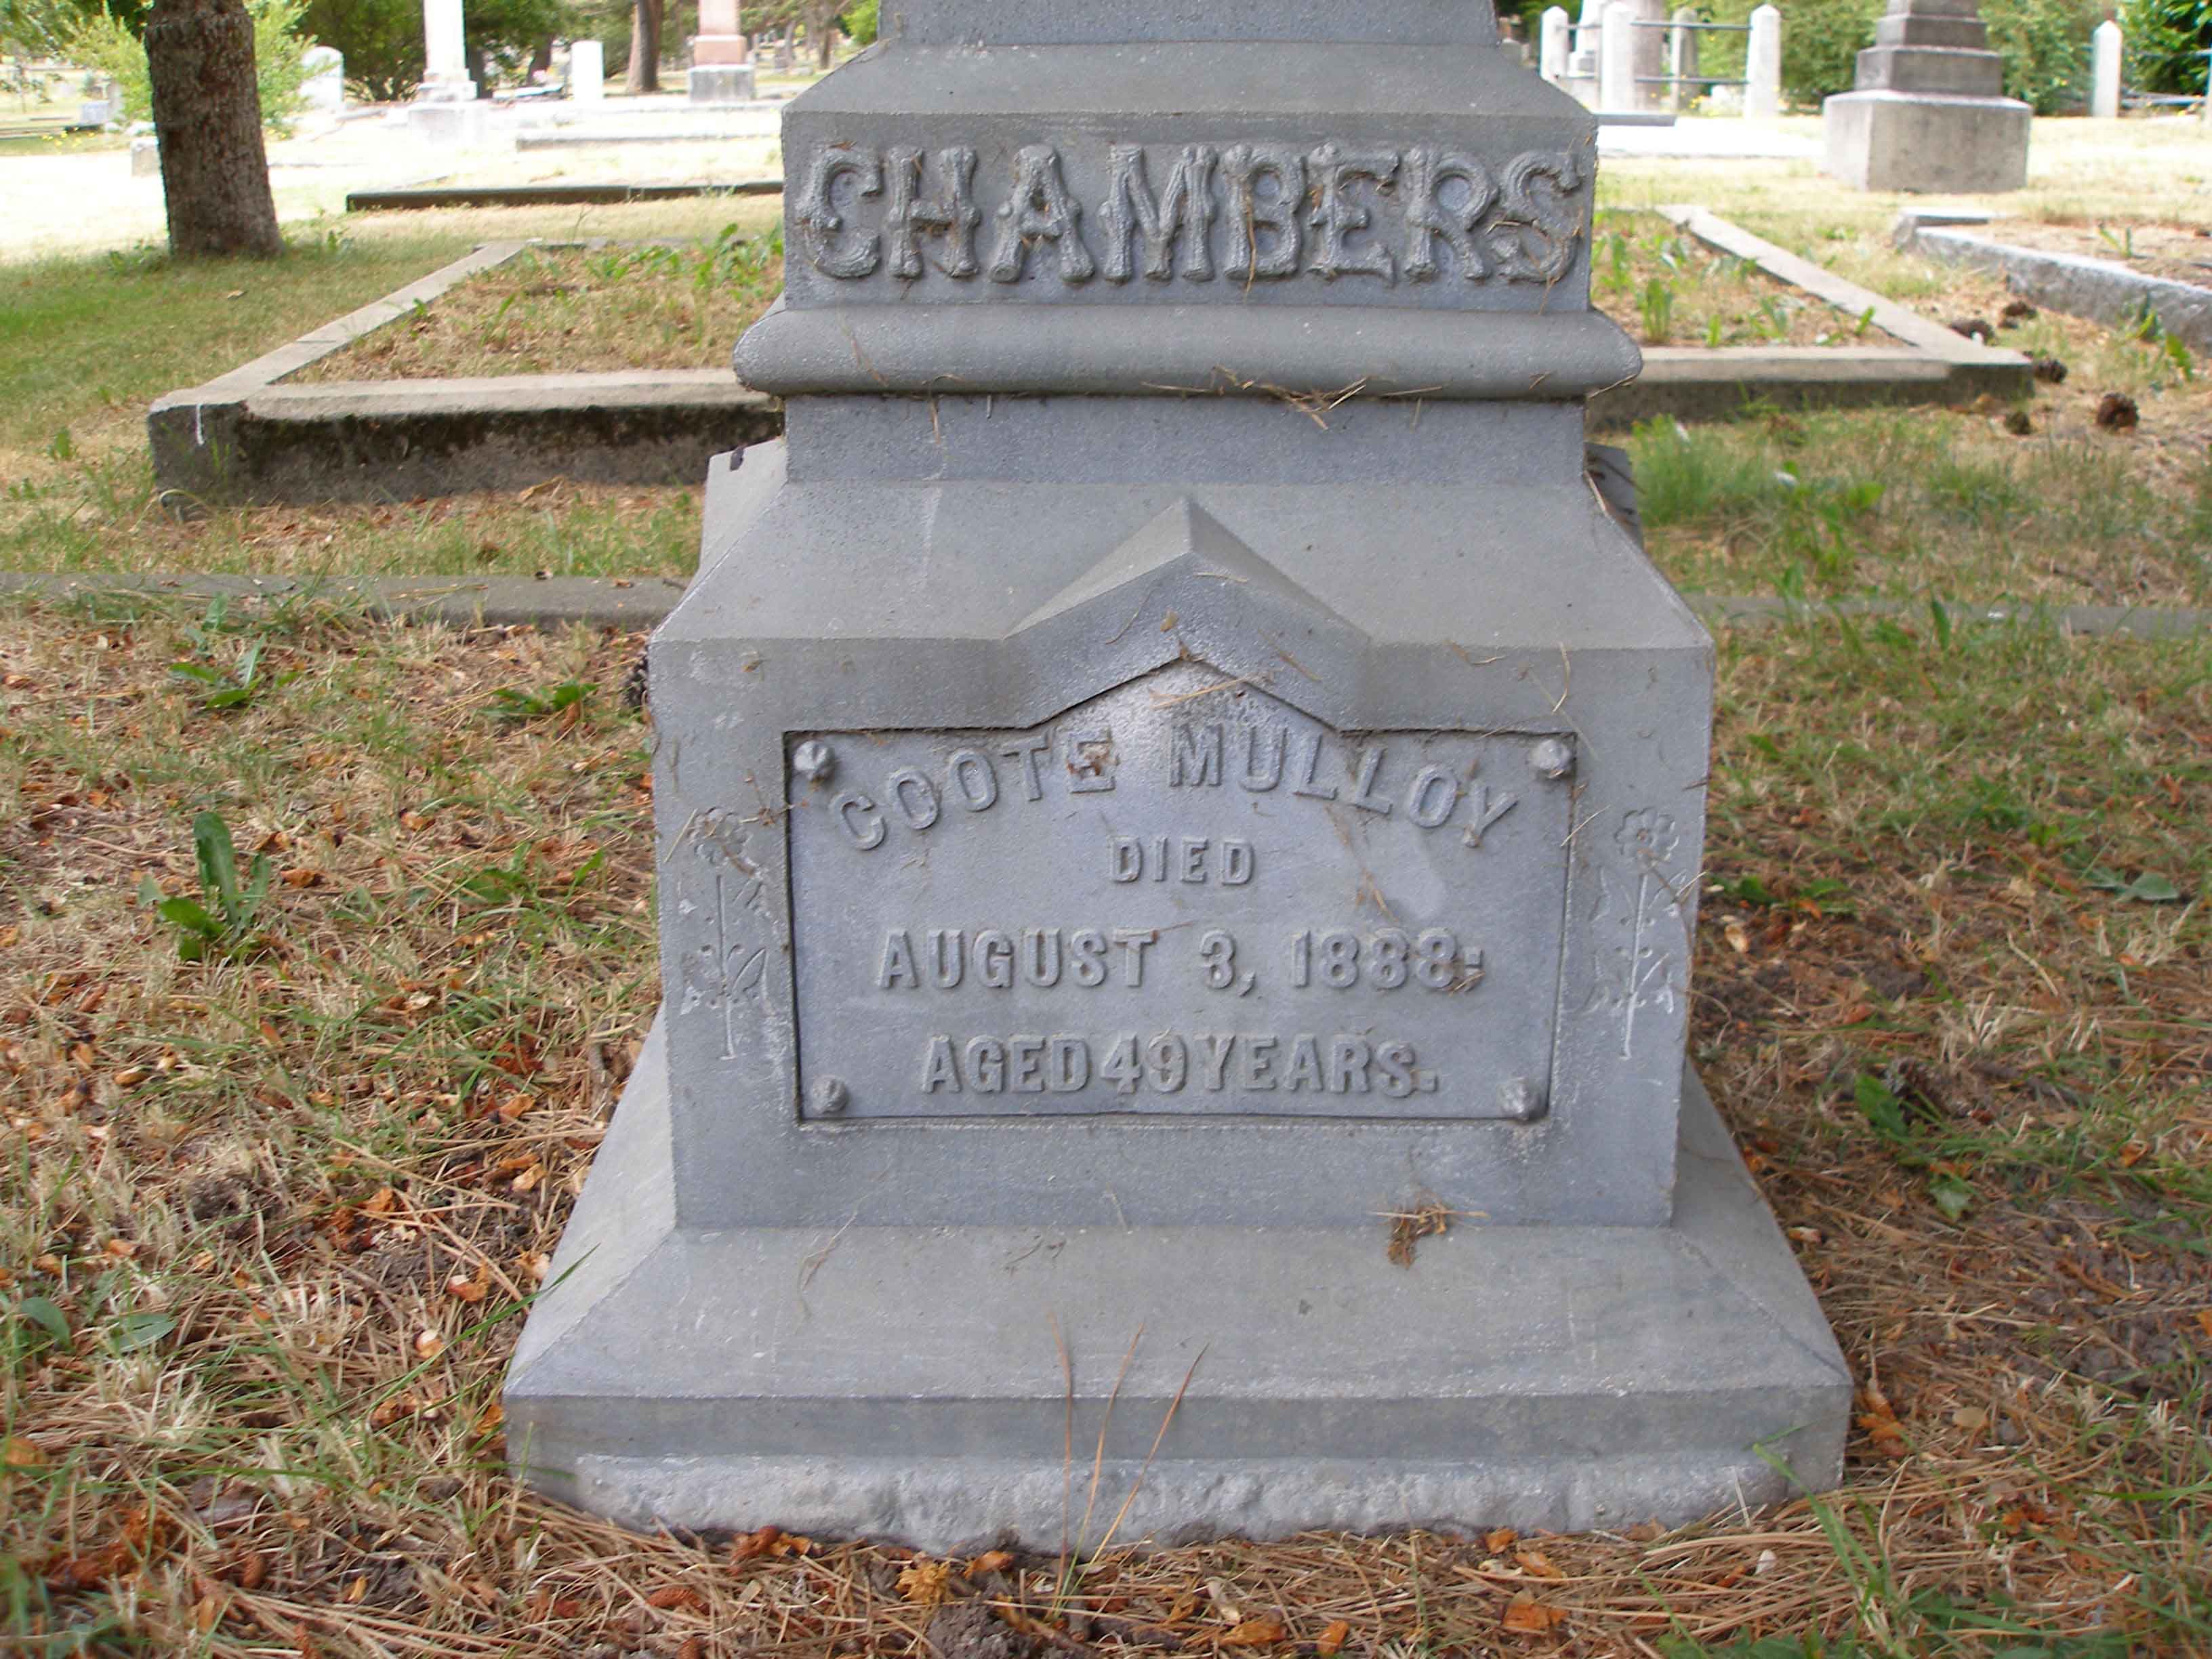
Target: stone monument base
(948, 1386)
(450, 126)
(1883, 140)
(723, 83)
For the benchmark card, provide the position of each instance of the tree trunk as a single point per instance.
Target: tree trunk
(207, 118)
(541, 58)
(644, 73)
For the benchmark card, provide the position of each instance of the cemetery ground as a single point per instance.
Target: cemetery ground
(288, 1156)
(290, 1142)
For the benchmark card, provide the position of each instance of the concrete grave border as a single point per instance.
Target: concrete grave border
(1933, 365)
(2076, 284)
(243, 436)
(246, 437)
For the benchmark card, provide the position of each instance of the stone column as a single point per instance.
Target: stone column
(1557, 34)
(1762, 65)
(2107, 45)
(1929, 112)
(1616, 79)
(1681, 60)
(1582, 61)
(446, 111)
(587, 71)
(1118, 849)
(721, 70)
(445, 56)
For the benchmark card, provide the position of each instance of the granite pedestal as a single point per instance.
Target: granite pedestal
(1929, 112)
(1170, 770)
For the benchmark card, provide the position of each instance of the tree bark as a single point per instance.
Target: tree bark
(644, 72)
(207, 118)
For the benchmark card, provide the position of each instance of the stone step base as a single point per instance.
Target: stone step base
(1926, 142)
(919, 1383)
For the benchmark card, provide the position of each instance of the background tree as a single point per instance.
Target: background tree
(110, 43)
(642, 73)
(382, 39)
(2167, 41)
(207, 115)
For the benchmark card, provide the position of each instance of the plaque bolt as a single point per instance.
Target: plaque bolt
(1524, 1102)
(813, 761)
(1553, 757)
(832, 1097)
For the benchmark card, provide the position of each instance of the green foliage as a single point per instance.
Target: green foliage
(222, 689)
(859, 23)
(221, 922)
(1820, 43)
(2166, 38)
(108, 41)
(2045, 47)
(513, 703)
(382, 39)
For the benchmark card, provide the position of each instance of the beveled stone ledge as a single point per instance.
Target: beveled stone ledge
(1075, 350)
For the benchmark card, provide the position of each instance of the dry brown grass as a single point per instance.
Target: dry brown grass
(1669, 289)
(289, 1205)
(569, 310)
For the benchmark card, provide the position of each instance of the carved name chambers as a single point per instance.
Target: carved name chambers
(1194, 213)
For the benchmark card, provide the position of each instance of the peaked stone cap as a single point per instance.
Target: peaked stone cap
(1078, 22)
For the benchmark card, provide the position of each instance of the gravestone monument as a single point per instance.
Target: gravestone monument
(1928, 111)
(721, 70)
(587, 71)
(323, 89)
(1179, 811)
(446, 110)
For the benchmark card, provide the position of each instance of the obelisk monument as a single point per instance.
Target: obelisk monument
(1180, 812)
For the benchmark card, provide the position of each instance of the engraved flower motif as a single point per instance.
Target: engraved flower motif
(1648, 836)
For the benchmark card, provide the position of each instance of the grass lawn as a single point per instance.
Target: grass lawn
(1911, 504)
(269, 1219)
(579, 310)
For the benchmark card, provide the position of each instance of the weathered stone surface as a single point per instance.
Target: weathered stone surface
(1172, 761)
(1928, 113)
(1931, 69)
(845, 1378)
(2102, 290)
(1924, 141)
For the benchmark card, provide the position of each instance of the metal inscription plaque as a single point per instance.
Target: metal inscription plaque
(1184, 896)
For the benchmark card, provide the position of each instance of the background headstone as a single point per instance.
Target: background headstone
(1180, 806)
(1556, 40)
(325, 86)
(1762, 89)
(721, 72)
(587, 71)
(2107, 54)
(1929, 111)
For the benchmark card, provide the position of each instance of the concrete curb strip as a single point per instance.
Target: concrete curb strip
(244, 437)
(576, 194)
(1971, 367)
(2101, 290)
(645, 601)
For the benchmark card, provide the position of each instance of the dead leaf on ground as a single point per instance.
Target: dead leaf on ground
(926, 1583)
(1524, 1614)
(1262, 1631)
(1537, 1565)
